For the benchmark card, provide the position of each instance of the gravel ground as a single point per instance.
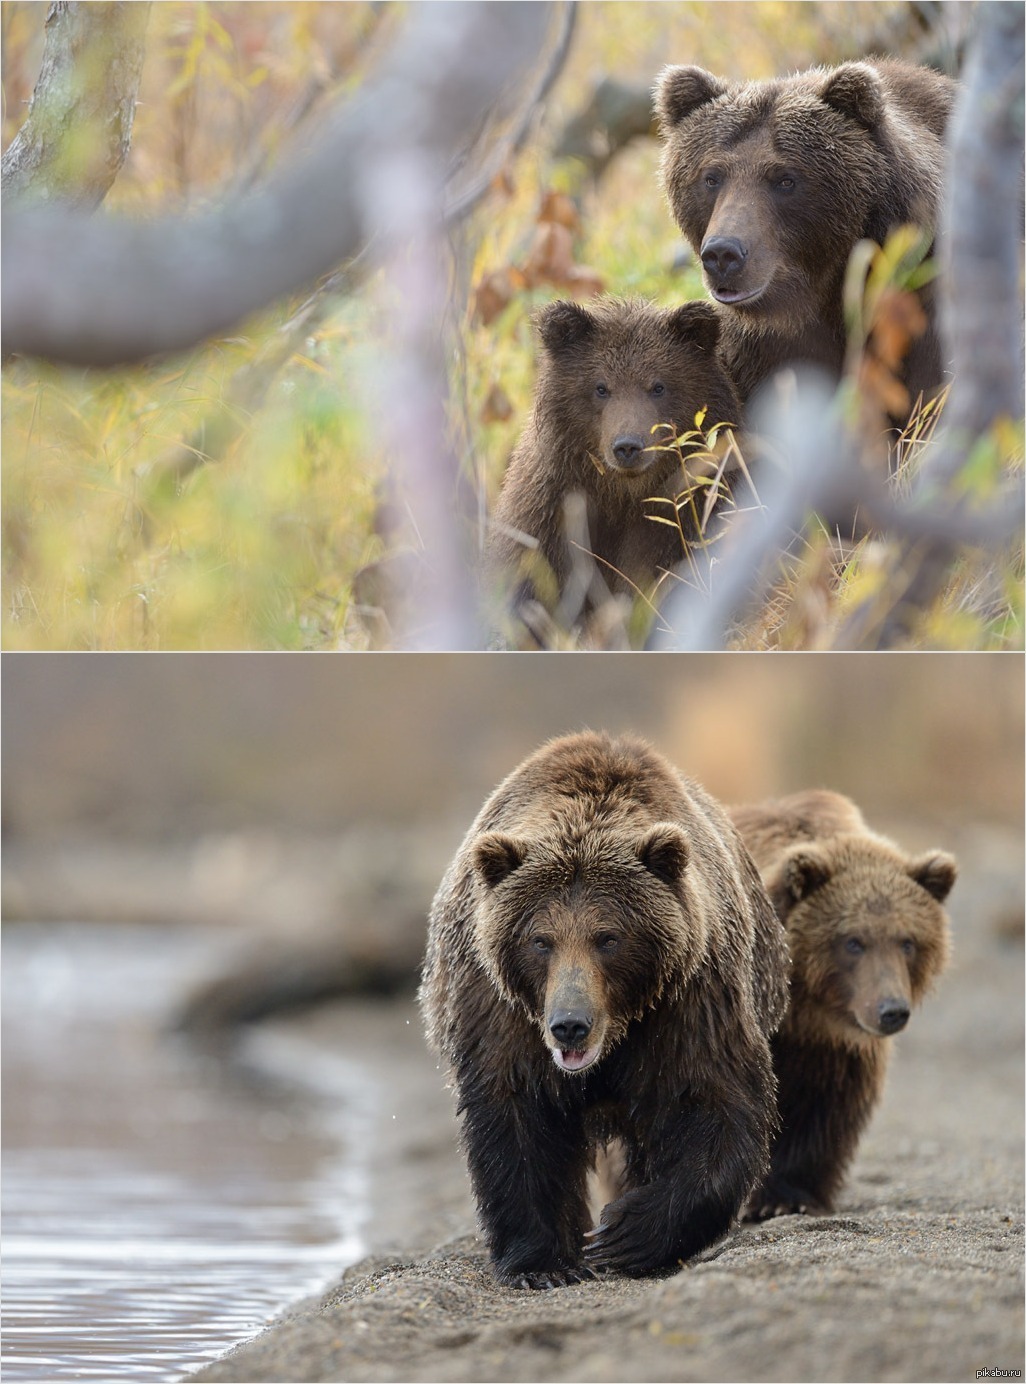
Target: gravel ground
(919, 1276)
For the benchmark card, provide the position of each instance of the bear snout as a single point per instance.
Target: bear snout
(892, 1015)
(570, 1028)
(629, 453)
(723, 258)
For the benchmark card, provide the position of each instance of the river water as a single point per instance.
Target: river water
(156, 1210)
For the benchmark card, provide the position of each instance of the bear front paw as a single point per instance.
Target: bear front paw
(622, 1243)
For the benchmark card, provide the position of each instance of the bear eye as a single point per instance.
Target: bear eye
(786, 183)
(542, 945)
(908, 946)
(602, 390)
(853, 945)
(607, 941)
(712, 179)
(658, 390)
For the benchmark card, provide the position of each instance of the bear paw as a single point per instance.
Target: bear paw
(621, 1243)
(782, 1199)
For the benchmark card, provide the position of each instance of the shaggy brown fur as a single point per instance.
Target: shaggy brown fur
(604, 963)
(868, 937)
(772, 184)
(609, 376)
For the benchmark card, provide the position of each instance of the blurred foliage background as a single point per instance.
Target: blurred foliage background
(110, 542)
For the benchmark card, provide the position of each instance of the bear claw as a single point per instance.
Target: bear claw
(552, 1278)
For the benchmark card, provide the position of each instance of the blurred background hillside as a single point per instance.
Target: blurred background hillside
(159, 750)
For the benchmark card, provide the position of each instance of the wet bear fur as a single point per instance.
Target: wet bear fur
(603, 963)
(773, 182)
(868, 937)
(609, 375)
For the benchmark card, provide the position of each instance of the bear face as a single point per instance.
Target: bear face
(867, 933)
(773, 183)
(620, 381)
(597, 936)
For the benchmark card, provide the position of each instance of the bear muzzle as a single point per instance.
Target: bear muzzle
(892, 1015)
(570, 1030)
(631, 454)
(728, 271)
(884, 1017)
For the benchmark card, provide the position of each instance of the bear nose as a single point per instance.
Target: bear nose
(627, 451)
(570, 1027)
(893, 1015)
(722, 257)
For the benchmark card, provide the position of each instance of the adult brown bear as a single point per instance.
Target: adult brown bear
(772, 184)
(603, 963)
(868, 937)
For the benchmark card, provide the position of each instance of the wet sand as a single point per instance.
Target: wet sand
(919, 1275)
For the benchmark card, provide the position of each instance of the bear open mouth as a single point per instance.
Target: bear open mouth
(732, 296)
(571, 1060)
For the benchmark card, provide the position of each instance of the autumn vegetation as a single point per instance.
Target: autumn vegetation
(240, 495)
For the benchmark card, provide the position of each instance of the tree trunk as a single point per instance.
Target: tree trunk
(79, 125)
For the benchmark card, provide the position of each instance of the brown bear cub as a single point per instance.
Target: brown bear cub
(617, 383)
(603, 963)
(772, 184)
(868, 937)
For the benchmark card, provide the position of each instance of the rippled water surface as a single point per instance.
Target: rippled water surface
(155, 1211)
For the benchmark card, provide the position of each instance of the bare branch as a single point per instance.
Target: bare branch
(79, 127)
(248, 388)
(113, 292)
(460, 200)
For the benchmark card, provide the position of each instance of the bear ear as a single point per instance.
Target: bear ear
(936, 872)
(664, 851)
(564, 324)
(805, 871)
(696, 322)
(495, 856)
(855, 90)
(681, 90)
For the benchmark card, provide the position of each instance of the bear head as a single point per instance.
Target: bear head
(588, 933)
(620, 381)
(867, 932)
(772, 183)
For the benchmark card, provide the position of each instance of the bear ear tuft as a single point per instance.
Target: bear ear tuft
(563, 324)
(696, 322)
(496, 856)
(664, 851)
(856, 91)
(936, 872)
(681, 90)
(805, 871)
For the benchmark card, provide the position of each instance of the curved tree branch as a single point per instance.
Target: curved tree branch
(116, 291)
(79, 126)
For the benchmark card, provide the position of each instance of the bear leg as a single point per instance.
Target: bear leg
(528, 1162)
(699, 1178)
